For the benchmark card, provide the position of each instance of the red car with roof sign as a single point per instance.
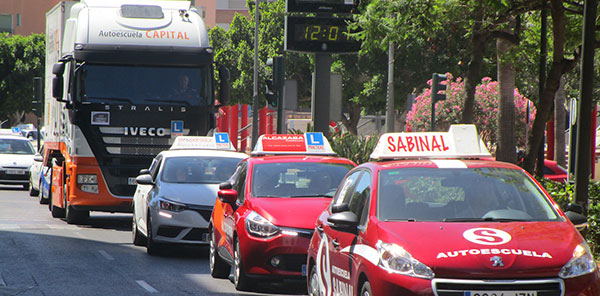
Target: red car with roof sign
(265, 215)
(428, 217)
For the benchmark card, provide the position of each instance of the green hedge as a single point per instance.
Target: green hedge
(562, 193)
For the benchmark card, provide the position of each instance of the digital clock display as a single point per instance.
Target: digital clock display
(306, 32)
(319, 34)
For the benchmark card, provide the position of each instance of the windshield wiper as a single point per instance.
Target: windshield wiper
(112, 99)
(313, 195)
(487, 219)
(169, 101)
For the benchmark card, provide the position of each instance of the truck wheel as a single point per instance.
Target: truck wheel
(56, 211)
(73, 216)
(138, 238)
(218, 267)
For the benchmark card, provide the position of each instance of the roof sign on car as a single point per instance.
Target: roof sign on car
(220, 141)
(461, 141)
(308, 143)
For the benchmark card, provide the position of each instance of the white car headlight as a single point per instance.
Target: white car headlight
(257, 225)
(172, 206)
(394, 258)
(581, 263)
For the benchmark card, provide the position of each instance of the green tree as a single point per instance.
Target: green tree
(21, 59)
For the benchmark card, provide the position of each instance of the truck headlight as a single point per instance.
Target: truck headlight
(394, 258)
(581, 263)
(88, 182)
(257, 225)
(87, 179)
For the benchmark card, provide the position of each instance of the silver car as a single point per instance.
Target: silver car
(175, 196)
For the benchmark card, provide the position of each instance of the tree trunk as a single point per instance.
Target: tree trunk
(478, 42)
(506, 150)
(351, 121)
(560, 65)
(560, 115)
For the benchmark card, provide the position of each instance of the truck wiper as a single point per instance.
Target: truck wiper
(169, 101)
(112, 99)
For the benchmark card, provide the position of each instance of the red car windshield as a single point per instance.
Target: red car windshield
(461, 195)
(297, 179)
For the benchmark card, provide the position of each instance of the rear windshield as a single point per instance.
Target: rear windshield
(196, 169)
(461, 195)
(16, 146)
(297, 179)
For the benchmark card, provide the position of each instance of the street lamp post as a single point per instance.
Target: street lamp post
(255, 86)
(255, 102)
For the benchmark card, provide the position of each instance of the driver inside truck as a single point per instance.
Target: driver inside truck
(184, 92)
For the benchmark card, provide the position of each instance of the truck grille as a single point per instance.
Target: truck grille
(447, 287)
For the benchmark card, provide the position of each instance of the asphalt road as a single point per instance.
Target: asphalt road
(40, 255)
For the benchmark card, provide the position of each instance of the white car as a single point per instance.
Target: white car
(39, 177)
(174, 198)
(16, 157)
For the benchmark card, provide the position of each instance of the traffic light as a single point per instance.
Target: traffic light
(437, 86)
(274, 92)
(271, 93)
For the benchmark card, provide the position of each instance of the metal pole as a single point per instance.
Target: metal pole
(255, 103)
(582, 161)
(389, 115)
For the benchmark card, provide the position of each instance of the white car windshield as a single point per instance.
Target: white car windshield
(461, 195)
(16, 146)
(198, 169)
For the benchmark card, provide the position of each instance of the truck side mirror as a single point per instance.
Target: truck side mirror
(224, 85)
(57, 87)
(58, 69)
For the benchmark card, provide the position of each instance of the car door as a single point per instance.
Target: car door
(328, 260)
(229, 218)
(142, 195)
(343, 257)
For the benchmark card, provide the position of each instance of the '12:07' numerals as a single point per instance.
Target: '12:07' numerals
(317, 32)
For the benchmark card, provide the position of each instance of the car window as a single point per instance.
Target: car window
(359, 197)
(16, 146)
(240, 182)
(432, 194)
(198, 169)
(297, 179)
(154, 167)
(344, 193)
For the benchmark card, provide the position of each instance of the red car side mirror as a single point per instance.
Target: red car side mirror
(228, 196)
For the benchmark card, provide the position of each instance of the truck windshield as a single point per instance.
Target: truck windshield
(145, 85)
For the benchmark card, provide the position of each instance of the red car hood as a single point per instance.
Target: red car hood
(291, 212)
(469, 250)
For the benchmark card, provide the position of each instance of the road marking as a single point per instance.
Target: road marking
(105, 255)
(146, 286)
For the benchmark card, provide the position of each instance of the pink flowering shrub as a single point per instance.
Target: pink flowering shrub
(485, 113)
